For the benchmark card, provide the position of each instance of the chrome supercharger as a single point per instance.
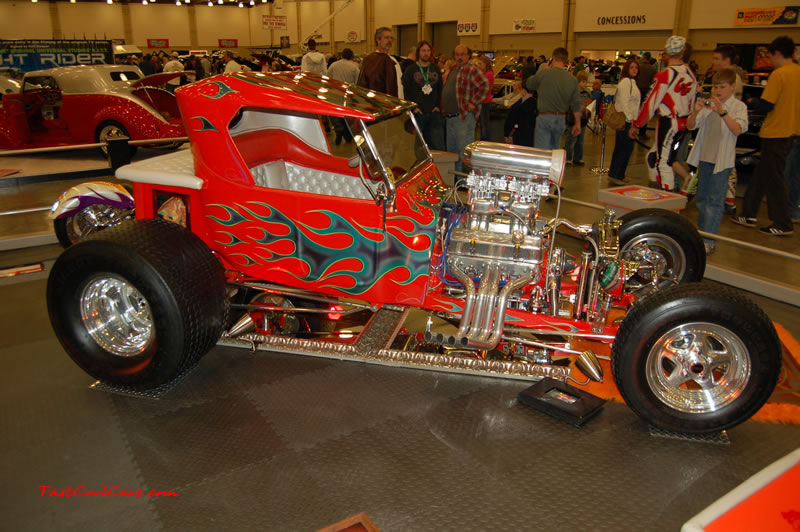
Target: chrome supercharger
(503, 245)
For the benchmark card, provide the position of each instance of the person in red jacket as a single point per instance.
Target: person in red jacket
(672, 96)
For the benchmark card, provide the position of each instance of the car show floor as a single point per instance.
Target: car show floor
(269, 441)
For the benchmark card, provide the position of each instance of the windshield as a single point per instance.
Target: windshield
(397, 143)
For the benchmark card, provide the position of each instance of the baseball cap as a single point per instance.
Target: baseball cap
(174, 54)
(675, 45)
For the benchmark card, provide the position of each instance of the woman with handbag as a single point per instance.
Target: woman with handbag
(626, 101)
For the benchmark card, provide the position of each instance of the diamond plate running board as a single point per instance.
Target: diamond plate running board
(372, 344)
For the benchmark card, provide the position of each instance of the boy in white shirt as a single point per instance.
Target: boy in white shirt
(720, 119)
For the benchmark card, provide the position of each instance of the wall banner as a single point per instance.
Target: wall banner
(467, 28)
(274, 22)
(31, 54)
(228, 43)
(158, 43)
(766, 16)
(524, 25)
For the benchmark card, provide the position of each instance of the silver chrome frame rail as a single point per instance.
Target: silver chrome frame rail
(392, 357)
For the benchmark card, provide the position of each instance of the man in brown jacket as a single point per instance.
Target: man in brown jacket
(379, 70)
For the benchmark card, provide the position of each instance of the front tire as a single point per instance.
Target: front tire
(72, 229)
(695, 358)
(137, 304)
(667, 245)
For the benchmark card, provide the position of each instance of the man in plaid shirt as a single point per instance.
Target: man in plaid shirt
(464, 90)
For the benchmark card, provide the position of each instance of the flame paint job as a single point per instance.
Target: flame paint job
(333, 245)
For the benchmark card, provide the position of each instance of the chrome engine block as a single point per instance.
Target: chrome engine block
(500, 240)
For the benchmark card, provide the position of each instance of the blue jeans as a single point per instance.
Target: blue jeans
(623, 148)
(459, 134)
(574, 145)
(711, 190)
(432, 127)
(792, 174)
(549, 129)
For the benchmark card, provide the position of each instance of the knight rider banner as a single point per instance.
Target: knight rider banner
(31, 55)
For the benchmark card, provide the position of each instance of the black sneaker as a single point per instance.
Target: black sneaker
(776, 231)
(617, 181)
(578, 163)
(730, 209)
(747, 222)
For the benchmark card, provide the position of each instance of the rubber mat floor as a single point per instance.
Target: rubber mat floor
(266, 441)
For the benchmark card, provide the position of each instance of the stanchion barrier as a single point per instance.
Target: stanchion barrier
(50, 149)
(601, 170)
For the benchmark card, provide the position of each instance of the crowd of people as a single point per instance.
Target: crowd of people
(556, 97)
(554, 104)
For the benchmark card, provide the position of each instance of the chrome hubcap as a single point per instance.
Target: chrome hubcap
(117, 316)
(110, 132)
(698, 367)
(661, 256)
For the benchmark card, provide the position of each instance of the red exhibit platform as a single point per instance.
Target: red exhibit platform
(634, 197)
(769, 500)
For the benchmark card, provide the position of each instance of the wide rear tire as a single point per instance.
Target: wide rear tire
(137, 304)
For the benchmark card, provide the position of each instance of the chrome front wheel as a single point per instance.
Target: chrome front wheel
(89, 220)
(696, 358)
(698, 367)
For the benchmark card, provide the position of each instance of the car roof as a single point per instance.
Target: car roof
(301, 91)
(86, 78)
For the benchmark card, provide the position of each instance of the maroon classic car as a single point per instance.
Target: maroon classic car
(84, 104)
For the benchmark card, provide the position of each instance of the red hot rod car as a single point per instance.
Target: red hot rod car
(85, 104)
(279, 239)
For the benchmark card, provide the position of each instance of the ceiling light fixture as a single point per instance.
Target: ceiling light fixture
(72, 1)
(210, 3)
(252, 2)
(241, 4)
(177, 2)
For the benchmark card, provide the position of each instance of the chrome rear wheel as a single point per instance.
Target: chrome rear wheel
(116, 315)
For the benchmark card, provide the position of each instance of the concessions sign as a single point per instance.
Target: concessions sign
(766, 16)
(228, 43)
(467, 28)
(525, 25)
(274, 22)
(31, 55)
(158, 43)
(624, 15)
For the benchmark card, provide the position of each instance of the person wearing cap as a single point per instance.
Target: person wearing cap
(672, 96)
(173, 65)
